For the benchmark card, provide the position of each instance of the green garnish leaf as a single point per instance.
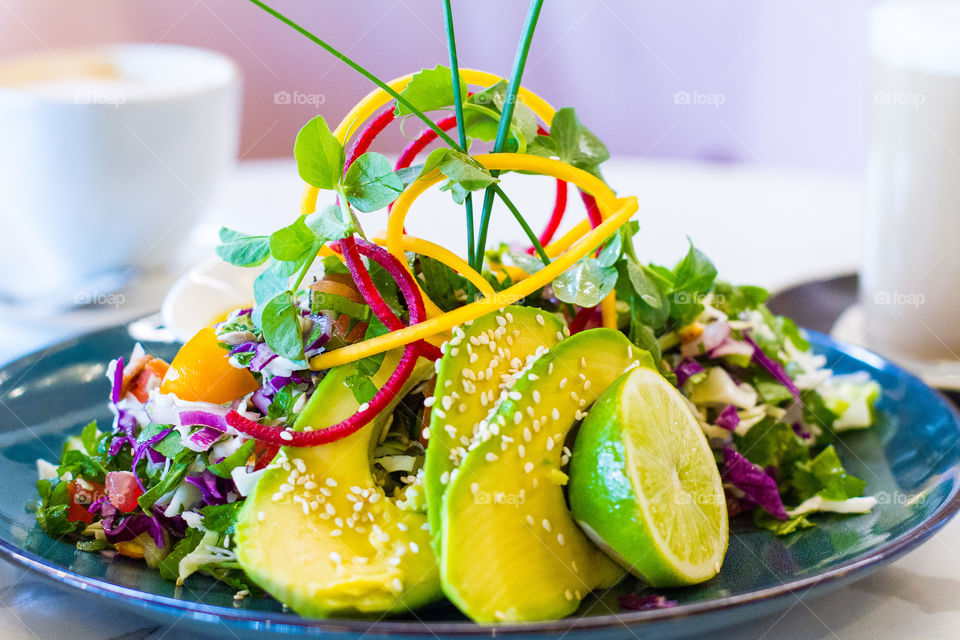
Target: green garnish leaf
(826, 477)
(55, 508)
(281, 326)
(430, 89)
(330, 223)
(236, 459)
(441, 283)
(586, 283)
(221, 518)
(293, 243)
(763, 520)
(319, 155)
(241, 249)
(571, 142)
(370, 183)
(460, 168)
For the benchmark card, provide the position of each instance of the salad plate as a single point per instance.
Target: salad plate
(910, 461)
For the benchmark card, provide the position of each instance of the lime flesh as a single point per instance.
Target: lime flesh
(645, 486)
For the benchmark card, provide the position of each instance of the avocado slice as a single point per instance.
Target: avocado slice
(310, 545)
(480, 363)
(511, 550)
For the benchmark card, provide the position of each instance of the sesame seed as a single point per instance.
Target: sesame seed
(462, 408)
(335, 557)
(473, 358)
(397, 584)
(330, 509)
(549, 443)
(428, 402)
(394, 562)
(563, 383)
(559, 335)
(574, 396)
(447, 402)
(528, 467)
(261, 516)
(530, 411)
(331, 482)
(568, 595)
(530, 520)
(286, 435)
(414, 547)
(533, 376)
(518, 417)
(358, 506)
(550, 368)
(363, 407)
(527, 435)
(445, 477)
(540, 320)
(490, 457)
(515, 395)
(586, 385)
(583, 363)
(546, 524)
(521, 451)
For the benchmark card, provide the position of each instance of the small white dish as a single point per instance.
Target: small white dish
(205, 293)
(940, 374)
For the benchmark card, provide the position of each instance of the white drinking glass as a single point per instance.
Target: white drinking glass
(910, 283)
(108, 156)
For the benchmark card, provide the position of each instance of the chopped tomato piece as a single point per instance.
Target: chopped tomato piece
(82, 493)
(123, 490)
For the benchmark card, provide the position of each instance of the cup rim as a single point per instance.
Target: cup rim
(223, 72)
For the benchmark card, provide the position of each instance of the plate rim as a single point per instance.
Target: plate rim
(278, 621)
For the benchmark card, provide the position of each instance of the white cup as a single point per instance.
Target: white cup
(910, 284)
(108, 156)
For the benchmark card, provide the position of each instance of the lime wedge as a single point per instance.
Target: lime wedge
(644, 484)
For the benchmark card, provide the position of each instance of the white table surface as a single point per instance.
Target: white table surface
(766, 227)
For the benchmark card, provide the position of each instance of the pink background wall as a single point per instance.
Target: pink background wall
(782, 82)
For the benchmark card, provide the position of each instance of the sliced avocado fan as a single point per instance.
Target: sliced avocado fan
(479, 365)
(511, 550)
(320, 535)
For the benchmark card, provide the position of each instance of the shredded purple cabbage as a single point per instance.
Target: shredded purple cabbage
(712, 336)
(757, 486)
(728, 418)
(214, 489)
(204, 419)
(244, 347)
(687, 368)
(649, 602)
(771, 365)
(117, 381)
(262, 356)
(143, 448)
(205, 437)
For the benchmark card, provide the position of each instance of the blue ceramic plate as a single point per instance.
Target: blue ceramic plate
(910, 461)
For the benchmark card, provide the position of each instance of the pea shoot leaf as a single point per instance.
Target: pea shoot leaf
(319, 155)
(281, 326)
(371, 184)
(460, 168)
(585, 284)
(430, 89)
(241, 249)
(294, 242)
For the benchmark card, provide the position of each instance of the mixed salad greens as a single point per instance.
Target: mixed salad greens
(348, 442)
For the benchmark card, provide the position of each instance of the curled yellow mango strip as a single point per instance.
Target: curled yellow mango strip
(378, 98)
(615, 211)
(444, 255)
